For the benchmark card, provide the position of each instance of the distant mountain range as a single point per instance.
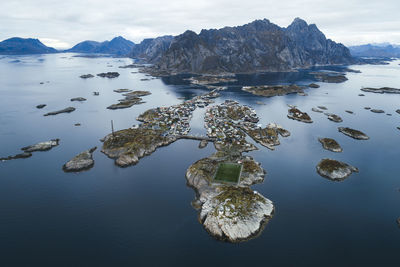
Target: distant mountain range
(375, 50)
(21, 46)
(117, 46)
(257, 46)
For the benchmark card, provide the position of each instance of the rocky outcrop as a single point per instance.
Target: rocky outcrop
(65, 110)
(131, 98)
(374, 110)
(335, 170)
(23, 155)
(109, 75)
(382, 90)
(81, 162)
(203, 144)
(329, 76)
(28, 150)
(257, 46)
(330, 144)
(86, 76)
(42, 146)
(79, 99)
(353, 133)
(296, 114)
(41, 106)
(334, 117)
(273, 90)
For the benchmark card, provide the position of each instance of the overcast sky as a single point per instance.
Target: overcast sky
(63, 24)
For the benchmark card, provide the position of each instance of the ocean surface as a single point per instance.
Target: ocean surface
(142, 215)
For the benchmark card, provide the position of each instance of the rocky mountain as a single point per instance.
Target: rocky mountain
(21, 46)
(117, 46)
(152, 49)
(375, 50)
(257, 46)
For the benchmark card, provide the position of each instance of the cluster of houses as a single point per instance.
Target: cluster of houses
(224, 122)
(175, 120)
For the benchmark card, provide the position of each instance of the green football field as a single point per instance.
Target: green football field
(228, 172)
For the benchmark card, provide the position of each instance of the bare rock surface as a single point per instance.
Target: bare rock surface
(377, 110)
(334, 117)
(65, 110)
(274, 90)
(79, 99)
(109, 75)
(81, 162)
(42, 146)
(353, 133)
(330, 144)
(335, 170)
(296, 114)
(86, 76)
(23, 155)
(382, 90)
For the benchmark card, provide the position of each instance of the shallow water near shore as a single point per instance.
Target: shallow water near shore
(142, 215)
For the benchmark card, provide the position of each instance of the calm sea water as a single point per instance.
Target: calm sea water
(141, 215)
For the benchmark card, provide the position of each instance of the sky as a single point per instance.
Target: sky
(63, 24)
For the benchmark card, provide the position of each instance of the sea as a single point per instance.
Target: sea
(142, 215)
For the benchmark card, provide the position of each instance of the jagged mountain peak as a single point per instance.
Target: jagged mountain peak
(257, 46)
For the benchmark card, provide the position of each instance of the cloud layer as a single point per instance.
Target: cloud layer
(63, 24)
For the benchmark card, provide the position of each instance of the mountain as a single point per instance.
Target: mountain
(22, 46)
(375, 50)
(117, 46)
(152, 49)
(257, 46)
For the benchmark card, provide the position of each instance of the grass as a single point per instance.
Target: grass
(228, 172)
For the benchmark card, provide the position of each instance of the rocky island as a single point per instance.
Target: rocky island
(353, 133)
(335, 170)
(383, 90)
(330, 144)
(65, 110)
(296, 114)
(229, 209)
(109, 75)
(131, 98)
(273, 90)
(81, 162)
(329, 76)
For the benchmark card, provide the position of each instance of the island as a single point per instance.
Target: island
(273, 90)
(335, 170)
(228, 208)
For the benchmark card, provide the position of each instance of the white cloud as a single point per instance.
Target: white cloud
(63, 24)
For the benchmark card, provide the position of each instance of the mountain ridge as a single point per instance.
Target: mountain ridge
(375, 50)
(117, 46)
(256, 46)
(23, 46)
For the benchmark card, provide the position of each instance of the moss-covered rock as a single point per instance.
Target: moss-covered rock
(81, 162)
(335, 170)
(296, 114)
(353, 133)
(330, 144)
